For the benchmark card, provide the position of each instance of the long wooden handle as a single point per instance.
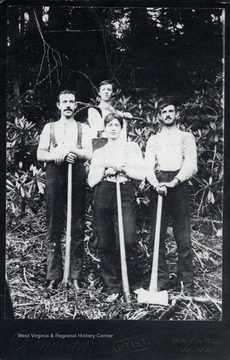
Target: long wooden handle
(154, 274)
(124, 273)
(138, 118)
(68, 226)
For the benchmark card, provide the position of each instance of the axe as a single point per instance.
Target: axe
(68, 227)
(152, 296)
(124, 273)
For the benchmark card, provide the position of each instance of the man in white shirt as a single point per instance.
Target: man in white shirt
(171, 160)
(122, 159)
(62, 142)
(96, 115)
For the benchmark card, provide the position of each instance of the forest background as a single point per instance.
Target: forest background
(148, 53)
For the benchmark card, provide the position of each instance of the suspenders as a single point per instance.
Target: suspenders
(79, 135)
(52, 134)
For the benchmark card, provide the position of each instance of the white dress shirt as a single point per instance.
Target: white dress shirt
(173, 150)
(127, 154)
(66, 135)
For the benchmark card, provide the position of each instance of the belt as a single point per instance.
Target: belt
(114, 181)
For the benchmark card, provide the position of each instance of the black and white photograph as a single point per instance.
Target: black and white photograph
(114, 201)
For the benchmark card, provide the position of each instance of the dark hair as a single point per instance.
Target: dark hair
(66, 91)
(112, 116)
(166, 102)
(106, 82)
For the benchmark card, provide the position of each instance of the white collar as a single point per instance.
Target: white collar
(66, 121)
(166, 131)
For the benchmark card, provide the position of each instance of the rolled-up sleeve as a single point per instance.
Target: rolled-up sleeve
(150, 162)
(44, 144)
(97, 168)
(136, 165)
(86, 141)
(189, 162)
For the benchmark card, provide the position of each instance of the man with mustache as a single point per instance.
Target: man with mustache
(62, 142)
(171, 159)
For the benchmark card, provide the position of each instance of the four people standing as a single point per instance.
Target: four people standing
(169, 163)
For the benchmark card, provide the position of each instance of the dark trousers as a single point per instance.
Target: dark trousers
(176, 205)
(106, 220)
(56, 200)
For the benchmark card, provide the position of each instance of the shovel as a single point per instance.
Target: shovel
(124, 273)
(152, 296)
(68, 227)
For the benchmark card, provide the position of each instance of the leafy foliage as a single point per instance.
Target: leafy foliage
(25, 181)
(202, 114)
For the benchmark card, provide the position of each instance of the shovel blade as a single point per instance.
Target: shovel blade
(150, 297)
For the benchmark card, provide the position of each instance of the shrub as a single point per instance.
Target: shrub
(201, 114)
(24, 181)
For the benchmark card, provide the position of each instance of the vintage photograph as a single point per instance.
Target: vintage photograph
(114, 167)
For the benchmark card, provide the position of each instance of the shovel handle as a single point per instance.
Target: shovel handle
(154, 274)
(124, 273)
(138, 118)
(68, 226)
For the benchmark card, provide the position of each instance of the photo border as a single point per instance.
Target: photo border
(131, 339)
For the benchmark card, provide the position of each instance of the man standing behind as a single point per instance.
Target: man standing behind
(97, 114)
(62, 142)
(171, 160)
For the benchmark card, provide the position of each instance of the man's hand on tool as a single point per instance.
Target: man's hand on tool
(70, 158)
(60, 154)
(59, 157)
(161, 189)
(110, 171)
(118, 167)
